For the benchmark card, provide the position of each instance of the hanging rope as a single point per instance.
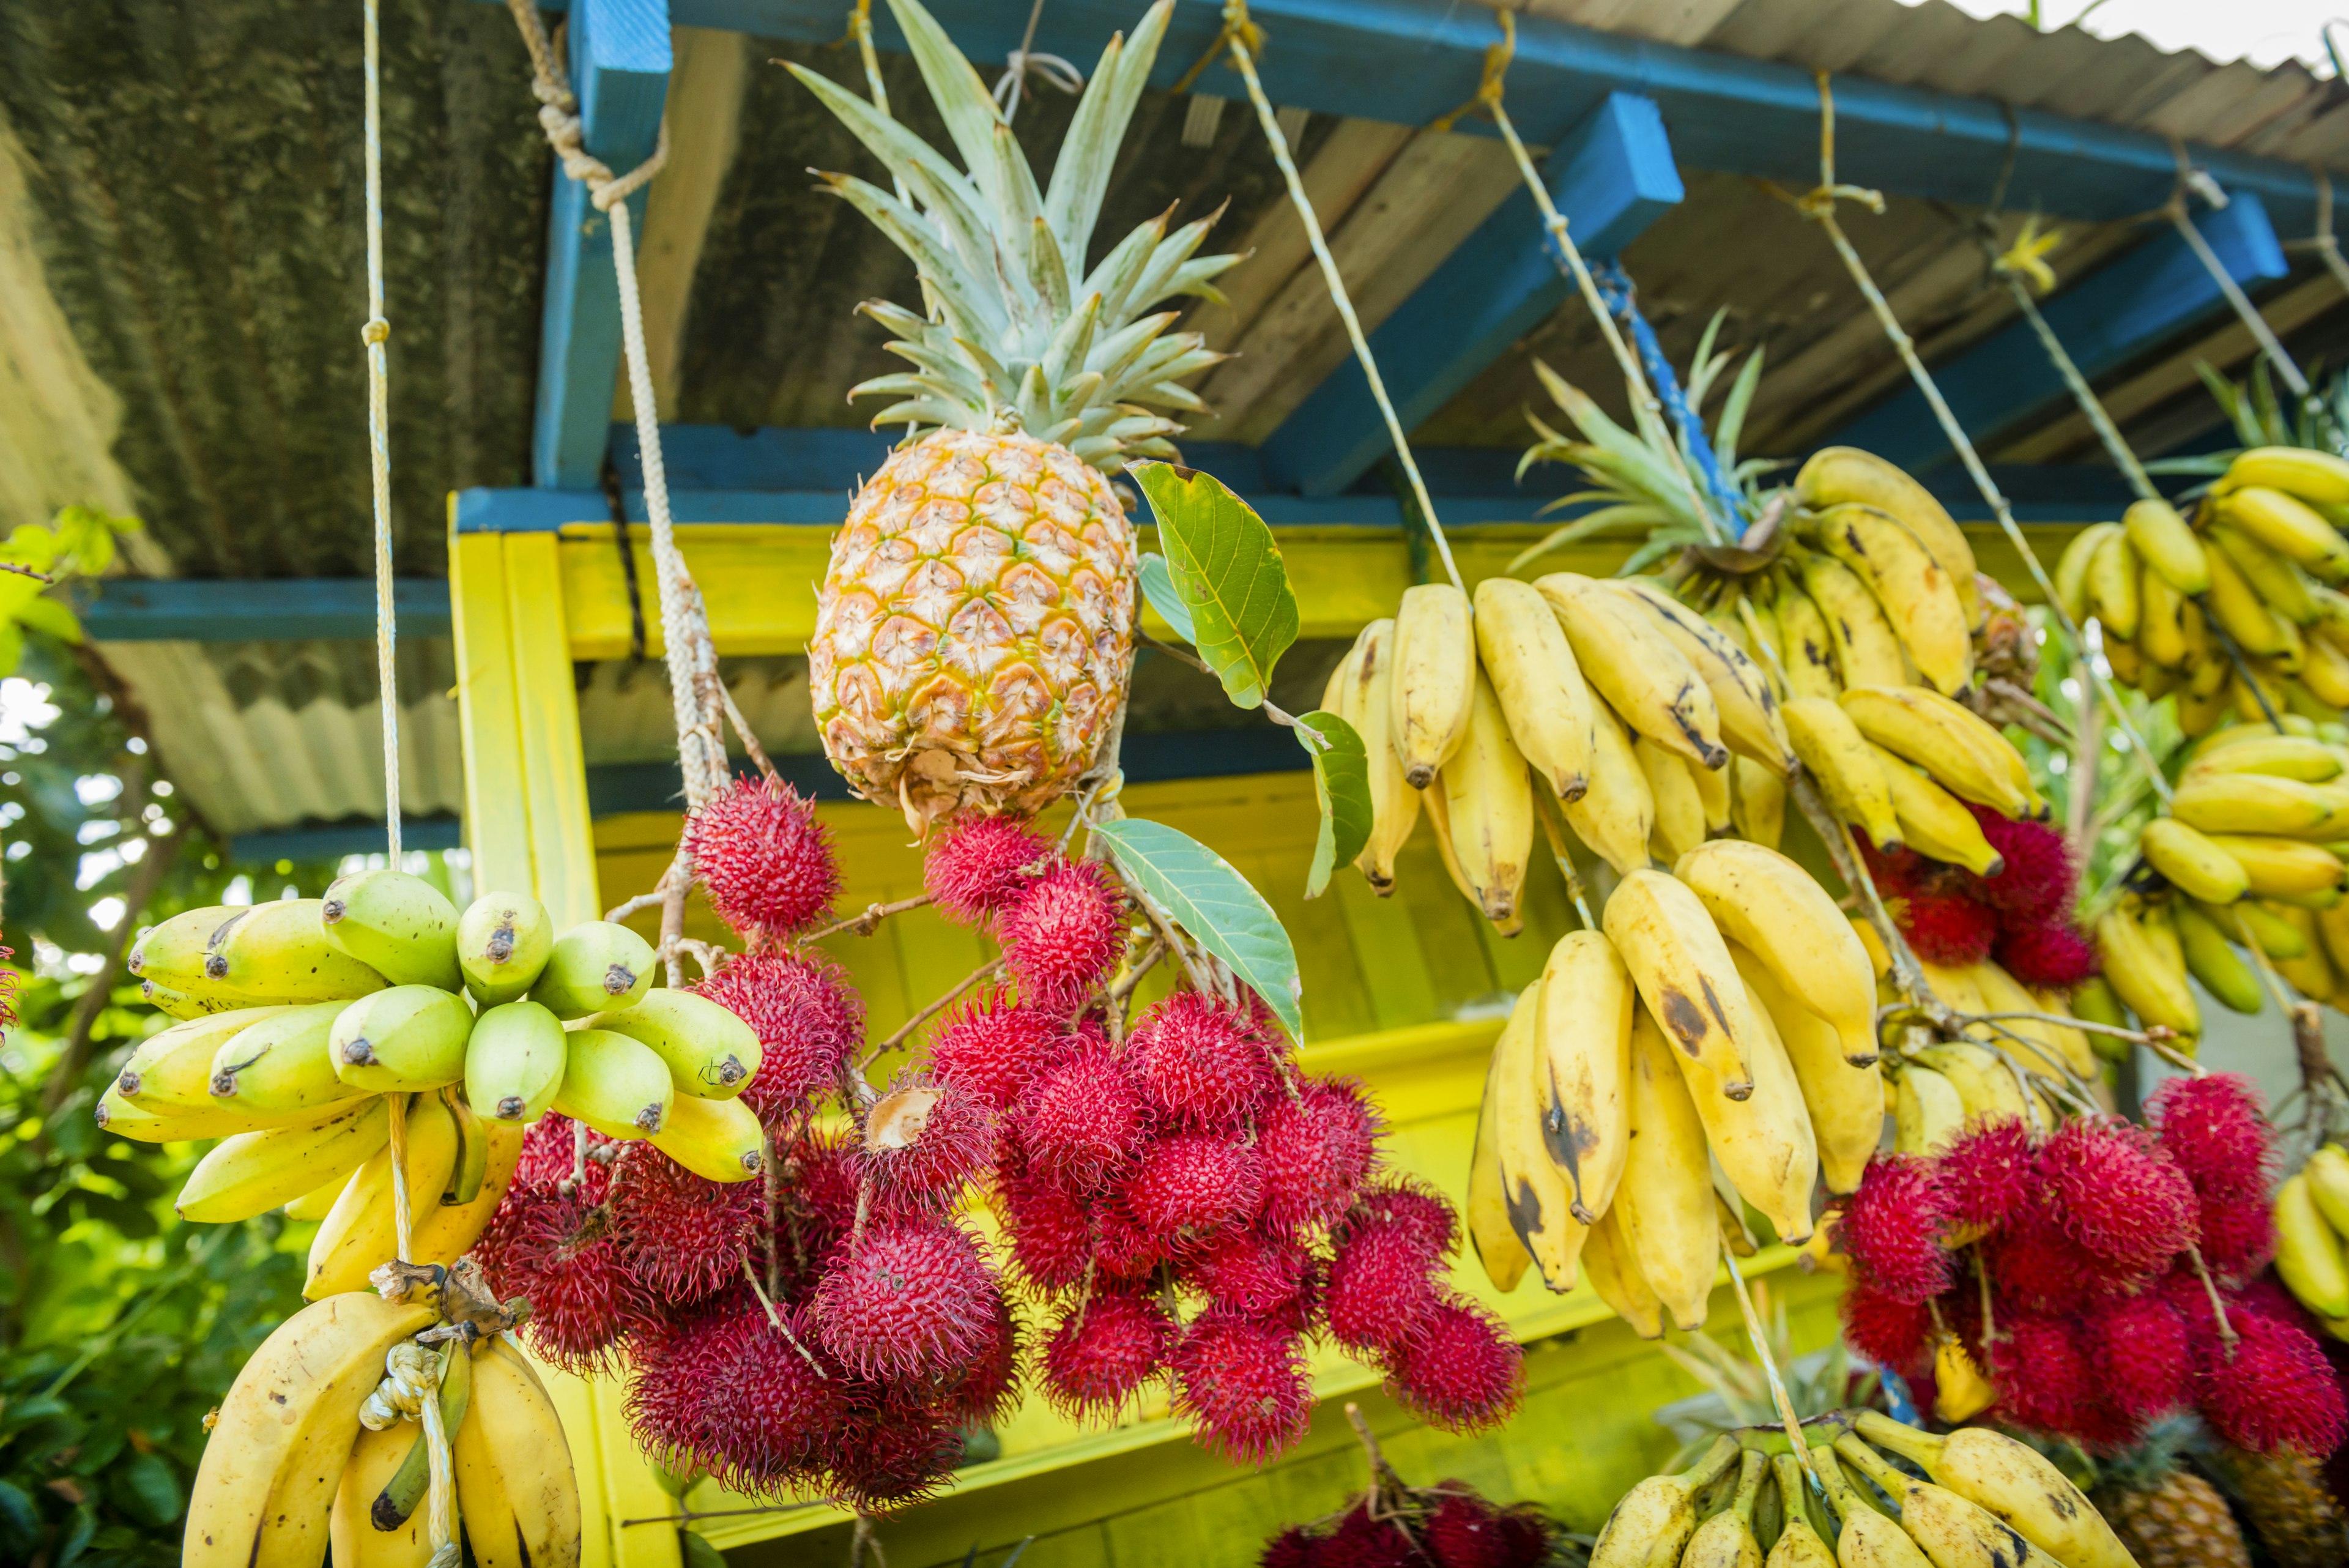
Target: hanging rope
(1616, 288)
(1819, 206)
(410, 1391)
(2323, 242)
(1013, 84)
(375, 334)
(1244, 39)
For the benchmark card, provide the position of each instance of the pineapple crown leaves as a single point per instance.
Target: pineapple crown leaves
(1016, 325)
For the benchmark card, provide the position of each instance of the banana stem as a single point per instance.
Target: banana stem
(2087, 750)
(1906, 972)
(1778, 1398)
(1553, 830)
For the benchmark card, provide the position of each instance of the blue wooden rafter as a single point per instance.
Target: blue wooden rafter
(1611, 178)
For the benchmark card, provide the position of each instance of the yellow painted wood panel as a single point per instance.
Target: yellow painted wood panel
(553, 769)
(497, 820)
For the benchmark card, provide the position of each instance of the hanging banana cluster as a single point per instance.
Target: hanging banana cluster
(2234, 612)
(2311, 1226)
(1725, 1013)
(1987, 1499)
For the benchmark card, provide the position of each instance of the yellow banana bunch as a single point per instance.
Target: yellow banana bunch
(1962, 752)
(516, 1490)
(2145, 964)
(1539, 687)
(1837, 756)
(1843, 475)
(1630, 662)
(1361, 692)
(1482, 805)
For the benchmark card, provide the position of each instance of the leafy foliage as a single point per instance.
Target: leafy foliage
(1341, 783)
(79, 543)
(1205, 895)
(1227, 568)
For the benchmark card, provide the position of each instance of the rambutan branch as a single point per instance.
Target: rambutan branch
(993, 966)
(2227, 1334)
(750, 746)
(1133, 977)
(776, 1318)
(866, 923)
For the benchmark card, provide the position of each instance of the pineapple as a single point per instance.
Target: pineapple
(2168, 1516)
(974, 633)
(2290, 1509)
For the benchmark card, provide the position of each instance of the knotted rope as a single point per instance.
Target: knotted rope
(410, 1391)
(1013, 84)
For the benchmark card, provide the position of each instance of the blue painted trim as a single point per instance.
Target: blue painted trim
(1408, 61)
(277, 609)
(1611, 178)
(619, 66)
(2155, 293)
(1616, 289)
(333, 840)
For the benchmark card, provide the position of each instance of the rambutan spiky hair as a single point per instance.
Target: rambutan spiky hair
(1192, 1185)
(2039, 876)
(979, 866)
(1083, 1117)
(1243, 1385)
(1887, 1330)
(2044, 1382)
(1892, 1228)
(2139, 1351)
(1259, 1274)
(1200, 1064)
(1945, 928)
(911, 1298)
(1061, 935)
(1414, 1204)
(2047, 953)
(809, 1020)
(1461, 1371)
(1315, 1151)
(992, 1045)
(557, 1248)
(1465, 1530)
(922, 1140)
(1103, 1350)
(763, 860)
(681, 1236)
(2112, 1189)
(1990, 1171)
(1046, 1222)
(2274, 1390)
(888, 1457)
(2217, 1130)
(1382, 1292)
(726, 1391)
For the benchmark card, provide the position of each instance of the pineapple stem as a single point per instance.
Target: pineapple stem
(1761, 1343)
(1237, 32)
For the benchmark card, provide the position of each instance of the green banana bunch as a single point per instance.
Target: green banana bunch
(408, 1038)
(401, 926)
(594, 967)
(502, 943)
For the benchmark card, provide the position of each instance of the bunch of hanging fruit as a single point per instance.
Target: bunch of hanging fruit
(1447, 1525)
(2094, 1279)
(1982, 1498)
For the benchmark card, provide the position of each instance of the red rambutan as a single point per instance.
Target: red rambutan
(1061, 935)
(1199, 1064)
(992, 1046)
(1315, 1151)
(1945, 926)
(1258, 1275)
(2138, 1350)
(1412, 1204)
(2044, 1381)
(911, 1298)
(893, 1458)
(2112, 1189)
(2039, 876)
(922, 1140)
(1083, 1117)
(1103, 1350)
(2033, 1264)
(1988, 1172)
(819, 1194)
(2217, 1130)
(807, 1016)
(549, 1156)
(763, 860)
(730, 1393)
(1892, 1228)
(1243, 1386)
(1461, 1371)
(2239, 1237)
(1463, 1531)
(1187, 1186)
(673, 1367)
(1296, 1547)
(1123, 1247)
(1047, 1225)
(989, 1391)
(2276, 1391)
(1887, 1330)
(2047, 953)
(1361, 1541)
(979, 865)
(1382, 1292)
(680, 1235)
(557, 1249)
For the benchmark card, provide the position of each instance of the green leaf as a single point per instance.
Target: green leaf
(52, 616)
(1341, 783)
(1202, 892)
(1225, 564)
(149, 1491)
(1158, 587)
(699, 1553)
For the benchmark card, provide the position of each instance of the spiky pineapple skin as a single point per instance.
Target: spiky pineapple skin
(2182, 1522)
(2291, 1509)
(975, 631)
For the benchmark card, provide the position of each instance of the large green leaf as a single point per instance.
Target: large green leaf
(1341, 783)
(1158, 587)
(1205, 895)
(1226, 566)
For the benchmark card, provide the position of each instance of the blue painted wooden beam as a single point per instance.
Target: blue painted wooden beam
(1611, 178)
(313, 841)
(287, 609)
(619, 67)
(2156, 292)
(1408, 61)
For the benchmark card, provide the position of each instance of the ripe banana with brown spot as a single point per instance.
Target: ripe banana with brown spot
(1837, 474)
(1806, 646)
(1435, 679)
(1918, 597)
(1582, 1033)
(1750, 725)
(1757, 803)
(1867, 648)
(1530, 664)
(1681, 966)
(1539, 1201)
(1490, 1230)
(1963, 752)
(2011, 1480)
(1760, 898)
(1632, 664)
(1846, 1103)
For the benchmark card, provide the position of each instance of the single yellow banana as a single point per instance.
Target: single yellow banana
(1539, 1201)
(2308, 1255)
(1835, 753)
(185, 1124)
(1582, 1034)
(2313, 476)
(1629, 662)
(264, 1488)
(2112, 584)
(283, 1063)
(2072, 570)
(316, 1203)
(171, 1069)
(1799, 1542)
(2281, 867)
(1652, 1522)
(1614, 1274)
(1498, 1249)
(1765, 901)
(2138, 967)
(1550, 707)
(1846, 1104)
(2281, 585)
(1837, 474)
(1805, 647)
(1757, 803)
(1680, 808)
(447, 1232)
(2261, 803)
(1664, 1205)
(356, 1539)
(1867, 648)
(1750, 725)
(1933, 822)
(2324, 670)
(1927, 1112)
(1869, 1538)
(1681, 966)
(1965, 755)
(2311, 975)
(516, 1490)
(2161, 621)
(173, 951)
(2328, 1185)
(2286, 756)
(2011, 1480)
(1618, 816)
(1489, 809)
(1435, 679)
(2168, 548)
(2190, 862)
(2289, 527)
(504, 940)
(1367, 702)
(1918, 595)
(2239, 611)
(254, 1172)
(1726, 1540)
(718, 1140)
(1951, 1529)
(279, 948)
(359, 1233)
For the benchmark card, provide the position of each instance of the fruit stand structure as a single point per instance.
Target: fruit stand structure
(1652, 147)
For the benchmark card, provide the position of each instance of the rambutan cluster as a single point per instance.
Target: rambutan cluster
(1448, 1525)
(2021, 916)
(2087, 1271)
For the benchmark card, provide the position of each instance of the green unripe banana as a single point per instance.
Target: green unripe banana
(472, 1166)
(615, 1085)
(718, 1140)
(280, 950)
(398, 925)
(596, 967)
(408, 1038)
(711, 1053)
(281, 1063)
(173, 1067)
(2211, 960)
(174, 951)
(513, 1062)
(502, 943)
(2093, 1001)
